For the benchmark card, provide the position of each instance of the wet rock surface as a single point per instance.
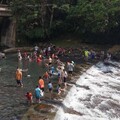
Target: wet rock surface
(12, 98)
(14, 107)
(40, 112)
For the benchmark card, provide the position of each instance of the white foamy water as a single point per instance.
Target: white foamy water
(96, 95)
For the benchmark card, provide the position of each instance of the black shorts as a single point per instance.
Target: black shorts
(64, 80)
(70, 72)
(50, 89)
(42, 89)
(19, 82)
(50, 63)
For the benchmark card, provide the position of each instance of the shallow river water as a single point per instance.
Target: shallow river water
(101, 101)
(12, 98)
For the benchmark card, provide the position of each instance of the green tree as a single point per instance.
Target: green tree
(96, 15)
(41, 19)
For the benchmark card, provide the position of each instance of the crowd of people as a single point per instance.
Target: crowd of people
(51, 57)
(55, 67)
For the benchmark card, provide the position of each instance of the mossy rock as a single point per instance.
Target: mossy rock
(44, 108)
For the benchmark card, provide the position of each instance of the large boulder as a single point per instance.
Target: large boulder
(2, 55)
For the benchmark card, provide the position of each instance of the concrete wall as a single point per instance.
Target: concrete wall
(8, 32)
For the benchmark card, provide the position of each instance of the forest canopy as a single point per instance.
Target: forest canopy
(91, 20)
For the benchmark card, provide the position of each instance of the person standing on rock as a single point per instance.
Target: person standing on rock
(49, 50)
(46, 76)
(50, 61)
(50, 87)
(19, 55)
(86, 54)
(59, 89)
(108, 56)
(64, 76)
(36, 48)
(38, 94)
(29, 97)
(41, 84)
(70, 67)
(19, 77)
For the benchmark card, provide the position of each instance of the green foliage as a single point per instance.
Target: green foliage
(42, 19)
(35, 33)
(98, 16)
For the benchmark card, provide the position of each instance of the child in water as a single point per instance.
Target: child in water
(59, 89)
(46, 75)
(19, 55)
(29, 97)
(50, 87)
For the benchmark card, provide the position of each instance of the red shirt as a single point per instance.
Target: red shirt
(29, 96)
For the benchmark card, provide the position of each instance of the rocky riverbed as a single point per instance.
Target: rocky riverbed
(13, 105)
(51, 106)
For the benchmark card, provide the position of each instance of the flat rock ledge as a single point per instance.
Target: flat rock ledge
(13, 50)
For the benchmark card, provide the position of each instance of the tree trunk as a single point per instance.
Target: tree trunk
(51, 18)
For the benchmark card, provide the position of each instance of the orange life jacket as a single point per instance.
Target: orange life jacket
(18, 75)
(41, 83)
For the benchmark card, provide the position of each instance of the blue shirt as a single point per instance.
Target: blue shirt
(38, 92)
(49, 85)
(53, 69)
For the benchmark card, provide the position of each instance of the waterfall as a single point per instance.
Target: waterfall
(100, 102)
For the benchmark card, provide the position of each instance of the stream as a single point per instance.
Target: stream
(95, 95)
(12, 98)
